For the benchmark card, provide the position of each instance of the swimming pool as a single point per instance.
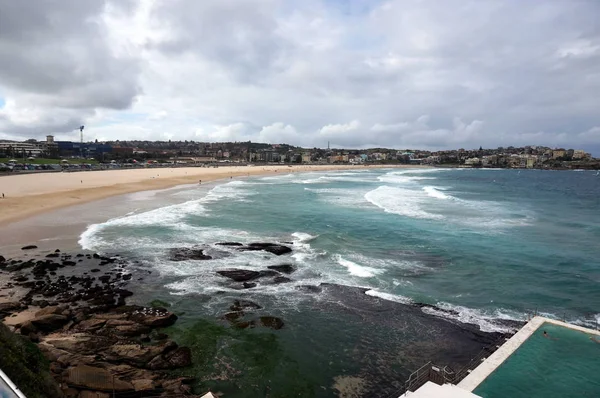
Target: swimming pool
(565, 364)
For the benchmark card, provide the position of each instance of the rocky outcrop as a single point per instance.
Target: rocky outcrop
(239, 275)
(274, 248)
(94, 378)
(283, 268)
(187, 253)
(88, 333)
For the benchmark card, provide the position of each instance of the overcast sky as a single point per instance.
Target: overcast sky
(358, 73)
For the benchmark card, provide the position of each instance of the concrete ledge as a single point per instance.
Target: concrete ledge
(480, 373)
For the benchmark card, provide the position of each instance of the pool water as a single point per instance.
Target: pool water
(565, 365)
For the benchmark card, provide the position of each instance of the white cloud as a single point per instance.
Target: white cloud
(394, 73)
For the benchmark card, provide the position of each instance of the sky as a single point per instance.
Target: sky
(425, 74)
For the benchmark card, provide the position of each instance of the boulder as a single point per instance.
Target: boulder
(143, 385)
(49, 323)
(284, 268)
(29, 247)
(132, 330)
(281, 279)
(239, 275)
(154, 317)
(136, 354)
(93, 378)
(180, 357)
(84, 344)
(271, 322)
(274, 248)
(27, 328)
(55, 309)
(10, 306)
(186, 253)
(93, 394)
(239, 305)
(91, 325)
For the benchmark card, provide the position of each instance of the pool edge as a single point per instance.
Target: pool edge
(487, 367)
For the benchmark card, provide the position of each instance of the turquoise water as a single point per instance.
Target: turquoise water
(566, 365)
(483, 246)
(490, 244)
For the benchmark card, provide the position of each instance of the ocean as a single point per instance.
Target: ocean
(481, 247)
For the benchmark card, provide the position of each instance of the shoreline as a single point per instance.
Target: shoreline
(28, 195)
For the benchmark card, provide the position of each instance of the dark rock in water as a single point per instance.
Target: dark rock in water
(229, 244)
(20, 278)
(285, 268)
(268, 273)
(57, 251)
(186, 253)
(239, 275)
(2, 259)
(249, 285)
(69, 263)
(179, 358)
(29, 247)
(274, 248)
(244, 325)
(281, 279)
(96, 255)
(309, 288)
(80, 255)
(233, 316)
(239, 305)
(95, 270)
(51, 255)
(271, 322)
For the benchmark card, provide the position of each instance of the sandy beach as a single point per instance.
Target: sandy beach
(30, 194)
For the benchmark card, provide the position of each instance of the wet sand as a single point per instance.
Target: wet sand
(30, 194)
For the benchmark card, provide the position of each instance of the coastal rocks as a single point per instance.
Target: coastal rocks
(93, 378)
(153, 317)
(177, 358)
(29, 247)
(283, 268)
(49, 323)
(88, 333)
(240, 275)
(10, 306)
(271, 322)
(239, 311)
(274, 248)
(186, 253)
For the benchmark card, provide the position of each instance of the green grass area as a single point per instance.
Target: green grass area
(49, 161)
(26, 366)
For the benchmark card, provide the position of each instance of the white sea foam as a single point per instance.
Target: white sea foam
(434, 192)
(487, 321)
(357, 269)
(388, 296)
(404, 202)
